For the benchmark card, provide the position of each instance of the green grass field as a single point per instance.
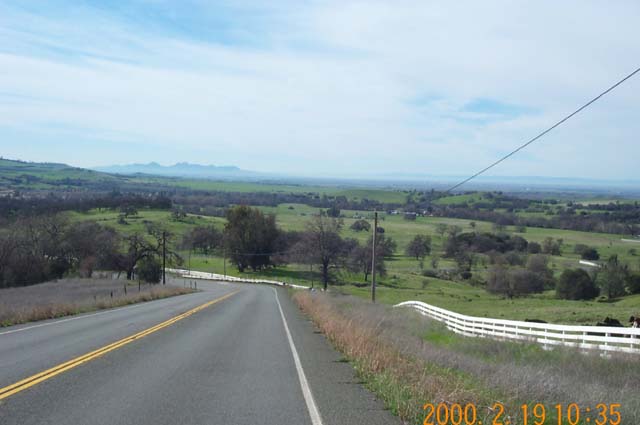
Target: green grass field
(404, 280)
(458, 199)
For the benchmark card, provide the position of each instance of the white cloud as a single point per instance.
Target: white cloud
(330, 87)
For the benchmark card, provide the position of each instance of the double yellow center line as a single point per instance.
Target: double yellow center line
(63, 367)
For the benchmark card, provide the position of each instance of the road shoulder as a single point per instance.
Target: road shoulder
(339, 394)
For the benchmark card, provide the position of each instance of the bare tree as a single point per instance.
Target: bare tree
(419, 247)
(321, 244)
(360, 260)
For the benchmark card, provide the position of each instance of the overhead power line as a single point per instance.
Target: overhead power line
(577, 111)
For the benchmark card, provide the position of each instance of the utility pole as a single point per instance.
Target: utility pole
(164, 257)
(373, 257)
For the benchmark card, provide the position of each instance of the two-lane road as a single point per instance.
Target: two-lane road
(249, 357)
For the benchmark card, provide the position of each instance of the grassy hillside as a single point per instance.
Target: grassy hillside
(19, 175)
(48, 176)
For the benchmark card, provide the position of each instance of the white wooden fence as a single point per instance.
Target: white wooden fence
(194, 274)
(606, 339)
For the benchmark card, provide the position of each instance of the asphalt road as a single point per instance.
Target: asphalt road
(233, 362)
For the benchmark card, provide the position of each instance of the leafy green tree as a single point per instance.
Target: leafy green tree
(613, 277)
(250, 237)
(534, 248)
(590, 254)
(576, 284)
(360, 225)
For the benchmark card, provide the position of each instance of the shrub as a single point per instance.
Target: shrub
(513, 283)
(534, 248)
(525, 282)
(633, 284)
(430, 273)
(590, 254)
(150, 270)
(576, 284)
(612, 277)
(360, 225)
(466, 275)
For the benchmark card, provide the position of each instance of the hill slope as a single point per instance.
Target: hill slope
(21, 175)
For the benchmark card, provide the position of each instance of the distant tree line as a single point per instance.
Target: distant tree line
(496, 207)
(618, 223)
(20, 206)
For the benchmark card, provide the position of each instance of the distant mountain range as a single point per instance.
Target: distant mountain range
(24, 175)
(181, 169)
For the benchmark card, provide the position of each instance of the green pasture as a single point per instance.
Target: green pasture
(404, 280)
(381, 195)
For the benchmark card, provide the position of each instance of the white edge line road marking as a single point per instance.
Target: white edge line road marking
(72, 318)
(314, 413)
(82, 316)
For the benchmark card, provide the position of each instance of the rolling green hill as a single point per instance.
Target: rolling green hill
(46, 176)
(24, 176)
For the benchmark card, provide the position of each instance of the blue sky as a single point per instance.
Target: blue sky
(321, 88)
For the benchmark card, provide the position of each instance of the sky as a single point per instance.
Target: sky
(322, 88)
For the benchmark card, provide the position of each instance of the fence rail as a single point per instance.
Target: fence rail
(605, 339)
(194, 274)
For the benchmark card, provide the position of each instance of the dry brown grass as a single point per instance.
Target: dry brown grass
(409, 360)
(73, 296)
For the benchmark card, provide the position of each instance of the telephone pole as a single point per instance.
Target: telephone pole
(164, 257)
(373, 257)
